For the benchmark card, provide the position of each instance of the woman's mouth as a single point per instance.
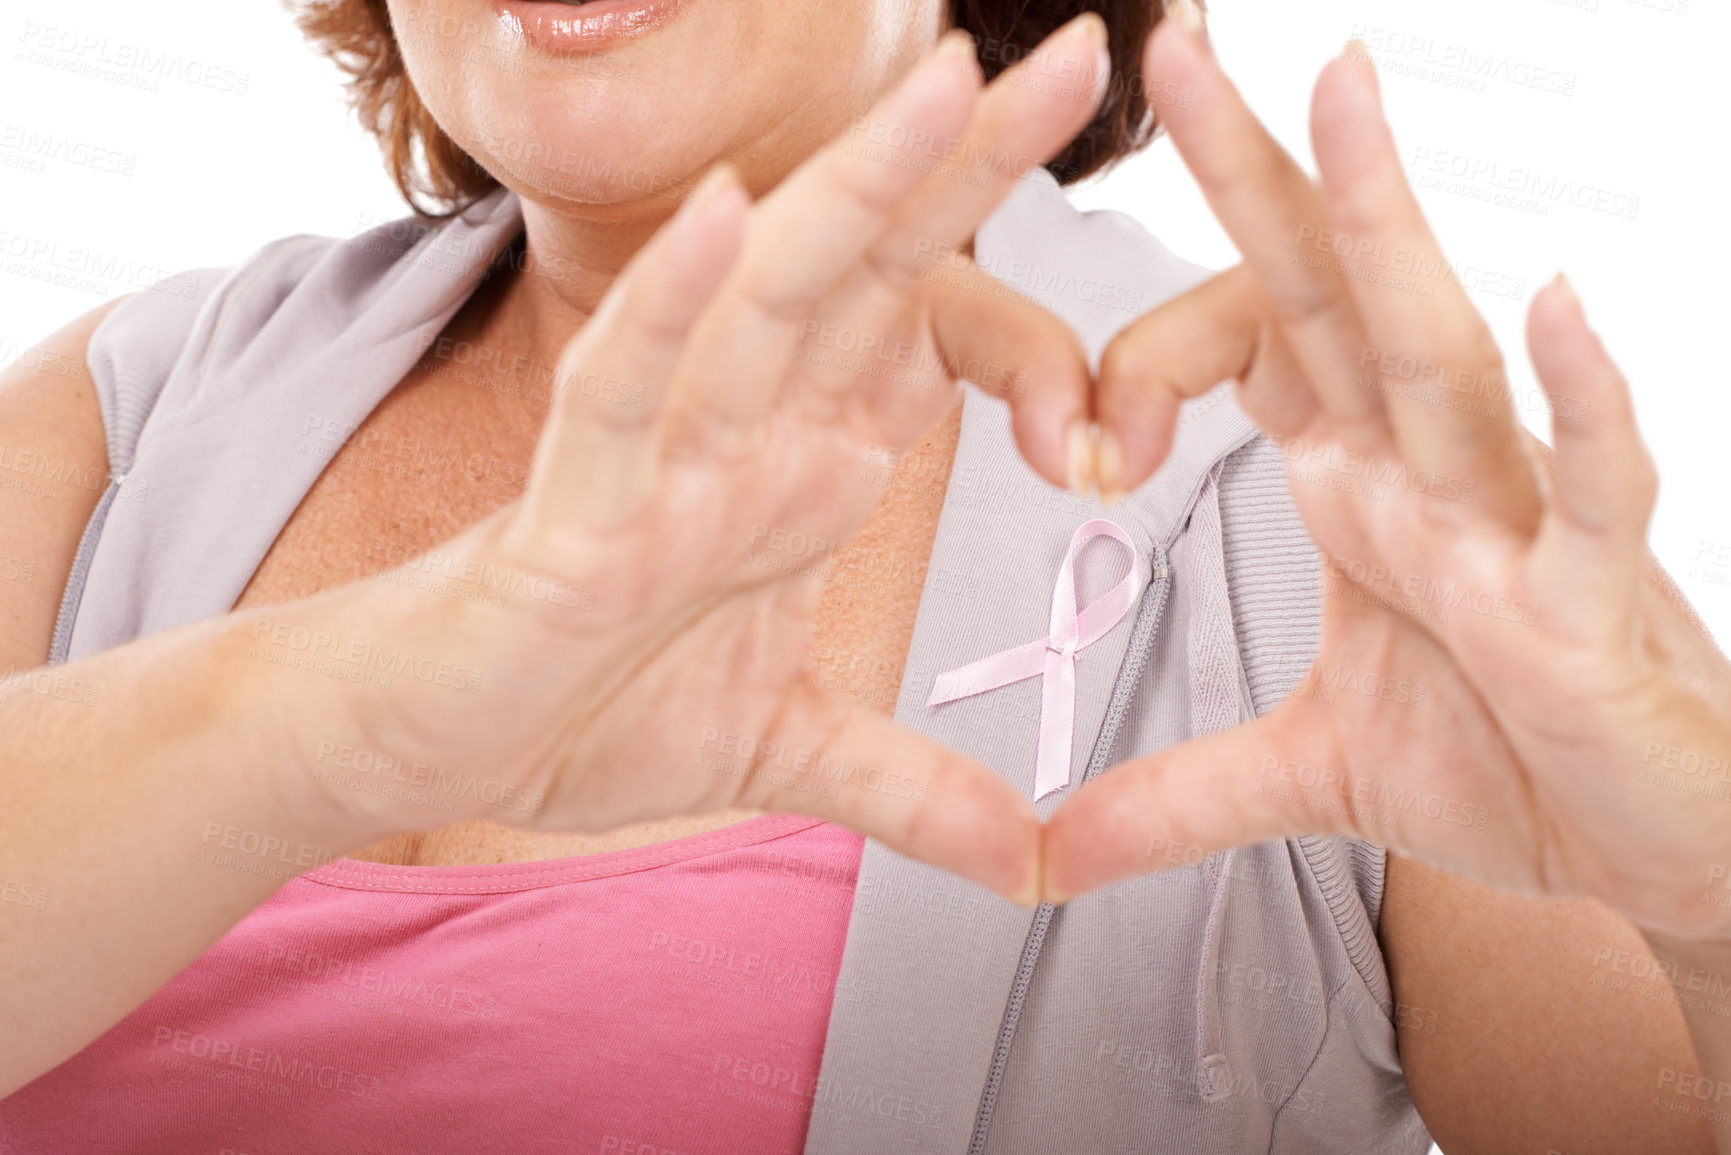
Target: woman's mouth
(571, 26)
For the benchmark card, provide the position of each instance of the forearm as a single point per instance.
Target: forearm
(150, 796)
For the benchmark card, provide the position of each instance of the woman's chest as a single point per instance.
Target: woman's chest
(446, 449)
(437, 455)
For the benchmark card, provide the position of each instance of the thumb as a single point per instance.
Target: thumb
(1272, 778)
(863, 770)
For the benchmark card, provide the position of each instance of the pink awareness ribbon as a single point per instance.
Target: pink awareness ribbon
(1053, 657)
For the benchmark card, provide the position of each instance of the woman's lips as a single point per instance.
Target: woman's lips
(588, 27)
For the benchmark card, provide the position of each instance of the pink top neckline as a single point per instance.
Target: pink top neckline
(505, 877)
(676, 1002)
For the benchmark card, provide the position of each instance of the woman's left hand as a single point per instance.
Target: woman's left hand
(1544, 713)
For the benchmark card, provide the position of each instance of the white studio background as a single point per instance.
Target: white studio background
(235, 133)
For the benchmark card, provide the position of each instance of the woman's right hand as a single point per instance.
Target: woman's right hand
(688, 528)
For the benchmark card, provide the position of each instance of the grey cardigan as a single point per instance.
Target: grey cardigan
(1232, 1003)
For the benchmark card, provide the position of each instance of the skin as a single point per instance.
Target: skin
(1536, 723)
(1503, 1070)
(650, 508)
(860, 636)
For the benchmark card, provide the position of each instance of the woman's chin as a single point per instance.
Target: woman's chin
(591, 164)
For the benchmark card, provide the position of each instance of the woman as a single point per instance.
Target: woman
(564, 618)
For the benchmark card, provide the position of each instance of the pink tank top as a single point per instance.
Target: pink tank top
(667, 1000)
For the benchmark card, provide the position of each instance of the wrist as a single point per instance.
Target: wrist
(385, 704)
(297, 720)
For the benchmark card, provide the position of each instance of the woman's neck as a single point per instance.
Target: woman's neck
(557, 274)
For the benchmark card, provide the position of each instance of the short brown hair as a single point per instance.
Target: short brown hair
(438, 178)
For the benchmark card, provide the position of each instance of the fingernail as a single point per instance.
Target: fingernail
(1187, 16)
(1572, 298)
(1358, 53)
(1032, 894)
(1079, 457)
(956, 44)
(1097, 32)
(1093, 24)
(1109, 465)
(713, 181)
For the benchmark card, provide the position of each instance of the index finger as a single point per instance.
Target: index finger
(1320, 254)
(1431, 325)
(808, 232)
(1268, 205)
